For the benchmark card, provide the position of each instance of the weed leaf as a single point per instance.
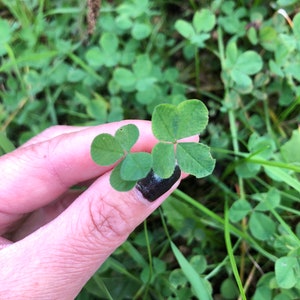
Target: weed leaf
(163, 157)
(136, 166)
(290, 150)
(106, 150)
(185, 29)
(239, 210)
(261, 226)
(201, 287)
(195, 159)
(204, 20)
(124, 77)
(249, 62)
(285, 268)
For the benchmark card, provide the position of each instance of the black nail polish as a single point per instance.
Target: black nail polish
(152, 186)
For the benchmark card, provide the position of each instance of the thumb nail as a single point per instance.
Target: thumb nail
(153, 186)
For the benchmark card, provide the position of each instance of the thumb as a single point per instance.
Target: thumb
(59, 258)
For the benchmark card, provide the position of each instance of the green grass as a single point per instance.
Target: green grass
(234, 232)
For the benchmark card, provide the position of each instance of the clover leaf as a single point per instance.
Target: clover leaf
(170, 124)
(106, 150)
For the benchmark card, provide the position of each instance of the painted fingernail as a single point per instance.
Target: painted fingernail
(153, 186)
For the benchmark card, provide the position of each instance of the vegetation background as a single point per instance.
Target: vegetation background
(232, 235)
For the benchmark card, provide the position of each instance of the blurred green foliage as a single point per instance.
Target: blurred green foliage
(239, 228)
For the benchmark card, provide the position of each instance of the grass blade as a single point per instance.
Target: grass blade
(199, 284)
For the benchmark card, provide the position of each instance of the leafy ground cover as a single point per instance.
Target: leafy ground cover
(232, 235)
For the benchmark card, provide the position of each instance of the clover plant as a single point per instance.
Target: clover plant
(170, 124)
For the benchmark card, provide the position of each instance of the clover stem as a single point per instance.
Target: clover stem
(231, 113)
(197, 70)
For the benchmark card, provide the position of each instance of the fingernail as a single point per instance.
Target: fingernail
(153, 186)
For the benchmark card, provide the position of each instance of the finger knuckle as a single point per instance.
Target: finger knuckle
(108, 221)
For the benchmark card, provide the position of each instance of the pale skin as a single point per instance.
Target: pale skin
(53, 239)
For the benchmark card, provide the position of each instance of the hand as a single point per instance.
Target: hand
(53, 238)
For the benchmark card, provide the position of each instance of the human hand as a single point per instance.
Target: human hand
(53, 238)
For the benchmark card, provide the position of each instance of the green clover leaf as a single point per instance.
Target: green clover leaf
(171, 123)
(195, 159)
(127, 136)
(117, 182)
(163, 156)
(136, 166)
(106, 150)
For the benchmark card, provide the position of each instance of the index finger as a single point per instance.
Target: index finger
(34, 175)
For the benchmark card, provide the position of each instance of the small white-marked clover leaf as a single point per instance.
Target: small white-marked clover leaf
(127, 136)
(106, 150)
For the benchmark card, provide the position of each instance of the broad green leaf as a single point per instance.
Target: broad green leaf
(94, 57)
(177, 212)
(199, 263)
(247, 170)
(75, 75)
(117, 182)
(249, 62)
(142, 66)
(286, 2)
(200, 286)
(116, 110)
(146, 96)
(231, 53)
(159, 265)
(268, 200)
(296, 27)
(275, 68)
(281, 174)
(165, 122)
(261, 146)
(127, 136)
(163, 157)
(261, 226)
(5, 143)
(124, 77)
(171, 123)
(140, 31)
(123, 22)
(241, 79)
(263, 292)
(286, 269)
(106, 150)
(5, 34)
(185, 29)
(199, 39)
(97, 109)
(109, 42)
(204, 20)
(177, 278)
(293, 69)
(239, 210)
(144, 84)
(229, 289)
(290, 150)
(195, 159)
(36, 82)
(136, 166)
